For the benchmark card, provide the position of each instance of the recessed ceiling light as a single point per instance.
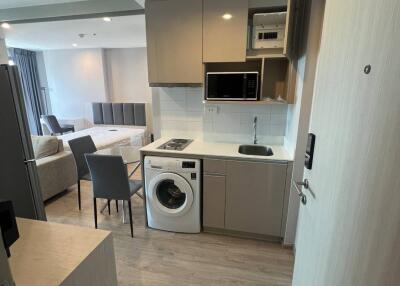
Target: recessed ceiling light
(74, 45)
(5, 25)
(227, 16)
(107, 19)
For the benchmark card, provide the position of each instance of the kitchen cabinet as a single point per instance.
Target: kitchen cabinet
(244, 196)
(214, 201)
(255, 197)
(225, 40)
(289, 45)
(293, 22)
(174, 42)
(214, 193)
(275, 81)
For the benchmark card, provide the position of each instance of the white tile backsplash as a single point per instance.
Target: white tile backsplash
(183, 114)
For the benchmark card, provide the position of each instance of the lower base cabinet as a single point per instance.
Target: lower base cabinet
(247, 197)
(214, 201)
(254, 197)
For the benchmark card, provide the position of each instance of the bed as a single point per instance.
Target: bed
(108, 136)
(114, 124)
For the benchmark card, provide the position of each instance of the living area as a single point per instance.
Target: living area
(199, 142)
(83, 77)
(79, 87)
(91, 74)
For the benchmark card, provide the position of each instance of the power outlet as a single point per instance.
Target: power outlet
(211, 109)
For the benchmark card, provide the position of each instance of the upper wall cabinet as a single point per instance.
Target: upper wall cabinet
(174, 42)
(274, 30)
(225, 30)
(289, 43)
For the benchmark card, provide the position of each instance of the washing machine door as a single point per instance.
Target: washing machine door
(170, 194)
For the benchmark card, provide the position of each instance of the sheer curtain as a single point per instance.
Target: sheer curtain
(34, 103)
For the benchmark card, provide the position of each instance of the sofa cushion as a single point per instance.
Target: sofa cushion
(56, 173)
(44, 146)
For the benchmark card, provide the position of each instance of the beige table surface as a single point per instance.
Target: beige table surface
(47, 253)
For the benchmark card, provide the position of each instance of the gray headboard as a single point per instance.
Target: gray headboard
(119, 113)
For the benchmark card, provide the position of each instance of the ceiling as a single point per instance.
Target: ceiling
(6, 4)
(121, 32)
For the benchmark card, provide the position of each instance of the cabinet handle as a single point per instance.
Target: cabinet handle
(298, 186)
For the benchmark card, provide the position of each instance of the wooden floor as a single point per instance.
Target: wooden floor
(162, 258)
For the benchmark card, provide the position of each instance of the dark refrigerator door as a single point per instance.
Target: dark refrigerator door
(18, 174)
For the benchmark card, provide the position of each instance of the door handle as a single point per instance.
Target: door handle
(30, 161)
(298, 186)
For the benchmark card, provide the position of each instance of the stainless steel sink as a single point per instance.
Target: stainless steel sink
(255, 150)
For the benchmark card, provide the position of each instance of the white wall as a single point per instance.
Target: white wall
(299, 113)
(126, 71)
(127, 78)
(3, 51)
(293, 112)
(76, 78)
(290, 143)
(181, 113)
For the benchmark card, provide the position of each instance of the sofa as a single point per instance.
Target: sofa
(56, 167)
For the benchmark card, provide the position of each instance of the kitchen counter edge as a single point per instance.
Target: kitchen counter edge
(196, 151)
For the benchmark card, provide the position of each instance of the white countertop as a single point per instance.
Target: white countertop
(219, 150)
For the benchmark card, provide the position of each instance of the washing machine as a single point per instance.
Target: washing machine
(173, 194)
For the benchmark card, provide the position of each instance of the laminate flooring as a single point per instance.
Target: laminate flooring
(161, 258)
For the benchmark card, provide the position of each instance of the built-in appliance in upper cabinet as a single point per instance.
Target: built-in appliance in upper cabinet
(232, 86)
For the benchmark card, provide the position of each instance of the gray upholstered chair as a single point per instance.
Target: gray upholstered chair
(111, 182)
(55, 127)
(79, 147)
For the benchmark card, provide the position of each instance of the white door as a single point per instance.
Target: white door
(349, 231)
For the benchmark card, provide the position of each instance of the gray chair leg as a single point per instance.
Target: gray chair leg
(109, 208)
(130, 216)
(95, 212)
(79, 194)
(116, 204)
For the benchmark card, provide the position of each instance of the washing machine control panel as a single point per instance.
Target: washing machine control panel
(167, 164)
(188, 165)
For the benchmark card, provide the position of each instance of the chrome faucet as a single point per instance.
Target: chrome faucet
(255, 140)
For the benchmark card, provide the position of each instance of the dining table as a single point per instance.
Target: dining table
(130, 155)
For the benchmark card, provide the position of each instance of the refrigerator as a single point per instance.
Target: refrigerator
(18, 173)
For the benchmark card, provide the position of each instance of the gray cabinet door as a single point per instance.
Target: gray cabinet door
(225, 40)
(255, 197)
(214, 166)
(214, 201)
(174, 41)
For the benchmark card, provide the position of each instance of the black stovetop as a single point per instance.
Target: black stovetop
(176, 144)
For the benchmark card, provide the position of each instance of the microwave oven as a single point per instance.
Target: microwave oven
(232, 86)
